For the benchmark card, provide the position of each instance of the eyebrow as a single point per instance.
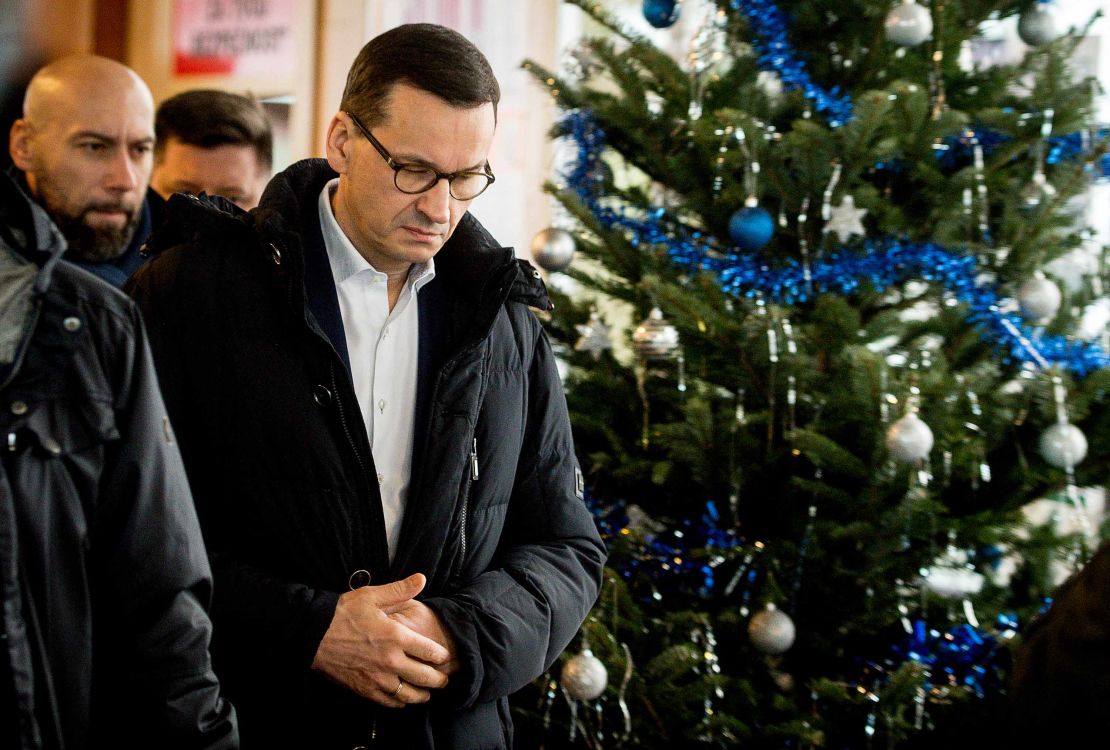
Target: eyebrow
(406, 159)
(107, 138)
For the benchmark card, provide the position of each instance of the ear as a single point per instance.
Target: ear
(338, 144)
(21, 145)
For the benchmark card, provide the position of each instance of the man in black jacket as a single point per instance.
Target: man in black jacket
(104, 581)
(373, 424)
(84, 149)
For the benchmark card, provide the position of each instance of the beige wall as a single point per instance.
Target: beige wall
(150, 53)
(62, 27)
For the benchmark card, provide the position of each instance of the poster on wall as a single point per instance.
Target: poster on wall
(251, 38)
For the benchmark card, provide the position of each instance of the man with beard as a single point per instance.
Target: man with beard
(85, 146)
(104, 580)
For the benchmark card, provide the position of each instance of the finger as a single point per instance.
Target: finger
(419, 675)
(421, 647)
(398, 592)
(412, 694)
(383, 698)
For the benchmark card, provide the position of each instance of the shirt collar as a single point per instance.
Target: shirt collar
(345, 260)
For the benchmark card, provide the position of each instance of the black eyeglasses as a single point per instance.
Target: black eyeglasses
(417, 178)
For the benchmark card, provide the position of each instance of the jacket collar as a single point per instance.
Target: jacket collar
(26, 228)
(467, 263)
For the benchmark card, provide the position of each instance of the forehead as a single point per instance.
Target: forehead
(116, 112)
(421, 125)
(229, 164)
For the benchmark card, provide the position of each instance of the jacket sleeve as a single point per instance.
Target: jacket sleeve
(512, 622)
(157, 573)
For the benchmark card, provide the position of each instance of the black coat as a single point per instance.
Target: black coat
(249, 345)
(104, 580)
(1060, 684)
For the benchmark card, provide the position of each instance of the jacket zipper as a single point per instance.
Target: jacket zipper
(464, 512)
(346, 428)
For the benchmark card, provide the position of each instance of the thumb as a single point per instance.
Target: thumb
(399, 592)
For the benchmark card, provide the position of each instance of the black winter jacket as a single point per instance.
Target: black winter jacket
(103, 575)
(249, 344)
(1060, 685)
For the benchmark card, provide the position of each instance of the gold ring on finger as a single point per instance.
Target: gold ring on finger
(400, 684)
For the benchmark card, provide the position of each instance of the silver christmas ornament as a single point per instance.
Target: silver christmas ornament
(1039, 299)
(584, 677)
(909, 439)
(1063, 445)
(845, 220)
(909, 24)
(952, 577)
(582, 62)
(771, 631)
(593, 337)
(655, 338)
(553, 249)
(951, 582)
(1038, 25)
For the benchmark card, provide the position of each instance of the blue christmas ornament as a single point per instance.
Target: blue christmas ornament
(751, 228)
(662, 13)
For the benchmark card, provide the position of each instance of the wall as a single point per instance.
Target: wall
(150, 52)
(32, 34)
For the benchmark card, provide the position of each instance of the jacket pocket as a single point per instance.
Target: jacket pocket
(55, 452)
(66, 426)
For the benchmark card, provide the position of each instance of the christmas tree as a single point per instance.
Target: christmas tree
(845, 375)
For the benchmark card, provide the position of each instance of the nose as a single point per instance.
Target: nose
(123, 174)
(435, 203)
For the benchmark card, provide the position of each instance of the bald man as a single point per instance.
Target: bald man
(85, 147)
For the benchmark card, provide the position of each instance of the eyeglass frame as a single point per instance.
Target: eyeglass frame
(397, 167)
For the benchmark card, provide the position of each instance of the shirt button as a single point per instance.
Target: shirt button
(381, 477)
(19, 408)
(51, 446)
(72, 324)
(359, 579)
(381, 405)
(321, 395)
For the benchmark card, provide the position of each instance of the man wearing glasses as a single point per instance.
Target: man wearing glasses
(373, 424)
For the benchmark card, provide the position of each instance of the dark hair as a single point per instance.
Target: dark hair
(429, 57)
(208, 118)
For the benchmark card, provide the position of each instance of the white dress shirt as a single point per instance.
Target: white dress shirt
(383, 347)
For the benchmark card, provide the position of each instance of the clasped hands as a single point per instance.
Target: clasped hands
(386, 646)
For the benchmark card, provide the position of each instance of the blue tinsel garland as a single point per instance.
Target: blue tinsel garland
(768, 26)
(884, 264)
(769, 37)
(957, 151)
